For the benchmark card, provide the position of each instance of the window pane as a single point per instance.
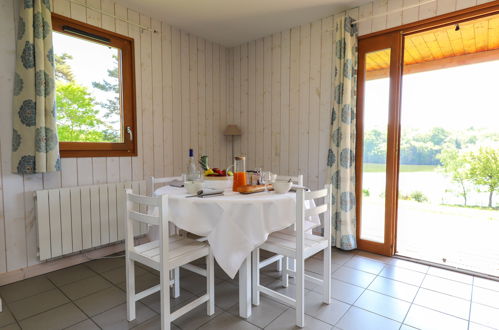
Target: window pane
(376, 97)
(88, 90)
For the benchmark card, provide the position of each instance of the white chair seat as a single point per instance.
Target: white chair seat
(284, 243)
(181, 250)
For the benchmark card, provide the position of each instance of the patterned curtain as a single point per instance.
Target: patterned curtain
(35, 147)
(341, 153)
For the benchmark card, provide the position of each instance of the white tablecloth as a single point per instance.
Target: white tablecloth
(234, 224)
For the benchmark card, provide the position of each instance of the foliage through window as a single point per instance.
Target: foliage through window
(94, 90)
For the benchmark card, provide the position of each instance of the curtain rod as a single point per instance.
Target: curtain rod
(142, 27)
(393, 11)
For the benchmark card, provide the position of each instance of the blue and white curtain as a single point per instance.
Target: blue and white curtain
(35, 147)
(341, 153)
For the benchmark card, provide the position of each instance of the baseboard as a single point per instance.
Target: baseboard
(53, 265)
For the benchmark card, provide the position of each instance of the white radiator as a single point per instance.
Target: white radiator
(80, 218)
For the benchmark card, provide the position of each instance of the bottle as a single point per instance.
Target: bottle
(192, 169)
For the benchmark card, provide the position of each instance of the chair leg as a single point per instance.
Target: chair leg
(130, 289)
(279, 265)
(300, 293)
(210, 284)
(176, 282)
(165, 299)
(327, 276)
(255, 276)
(285, 273)
(292, 265)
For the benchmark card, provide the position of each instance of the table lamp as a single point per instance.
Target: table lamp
(232, 130)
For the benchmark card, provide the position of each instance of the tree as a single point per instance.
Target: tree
(484, 169)
(63, 70)
(77, 119)
(112, 104)
(455, 163)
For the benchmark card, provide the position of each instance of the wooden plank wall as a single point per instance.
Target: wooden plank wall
(277, 88)
(181, 83)
(281, 93)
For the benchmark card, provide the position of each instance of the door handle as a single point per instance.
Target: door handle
(129, 131)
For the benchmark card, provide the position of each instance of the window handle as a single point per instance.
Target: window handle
(129, 131)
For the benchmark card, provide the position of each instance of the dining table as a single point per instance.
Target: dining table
(234, 225)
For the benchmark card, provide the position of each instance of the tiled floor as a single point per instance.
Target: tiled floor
(369, 291)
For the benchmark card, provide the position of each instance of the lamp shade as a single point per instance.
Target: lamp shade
(232, 130)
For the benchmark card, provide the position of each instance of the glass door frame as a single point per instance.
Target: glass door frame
(394, 39)
(393, 42)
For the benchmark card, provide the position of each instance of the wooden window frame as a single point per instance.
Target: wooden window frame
(397, 34)
(128, 100)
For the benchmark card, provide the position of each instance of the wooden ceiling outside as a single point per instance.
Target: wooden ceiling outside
(475, 36)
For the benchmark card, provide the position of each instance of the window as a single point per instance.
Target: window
(95, 90)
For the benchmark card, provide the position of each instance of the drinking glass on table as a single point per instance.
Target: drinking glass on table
(266, 178)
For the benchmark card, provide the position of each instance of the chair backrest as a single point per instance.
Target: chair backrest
(157, 215)
(152, 182)
(319, 208)
(295, 179)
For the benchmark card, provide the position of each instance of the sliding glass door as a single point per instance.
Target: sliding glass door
(376, 165)
(428, 140)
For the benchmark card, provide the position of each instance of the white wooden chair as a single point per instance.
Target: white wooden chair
(299, 246)
(298, 180)
(151, 184)
(165, 254)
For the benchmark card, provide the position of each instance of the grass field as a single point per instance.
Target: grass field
(374, 168)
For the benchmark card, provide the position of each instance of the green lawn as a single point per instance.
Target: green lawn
(370, 168)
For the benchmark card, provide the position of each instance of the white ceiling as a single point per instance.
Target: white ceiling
(232, 22)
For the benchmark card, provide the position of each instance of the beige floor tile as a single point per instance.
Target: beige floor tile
(57, 318)
(316, 266)
(373, 256)
(262, 314)
(443, 303)
(353, 276)
(85, 287)
(486, 297)
(403, 275)
(106, 264)
(475, 326)
(39, 303)
(365, 264)
(226, 295)
(443, 285)
(425, 318)
(395, 289)
(287, 320)
(345, 292)
(409, 265)
(101, 301)
(142, 282)
(154, 302)
(195, 318)
(451, 275)
(153, 324)
(88, 324)
(12, 326)
(71, 274)
(195, 283)
(356, 319)
(386, 306)
(406, 327)
(227, 321)
(118, 275)
(315, 307)
(486, 283)
(6, 316)
(485, 315)
(25, 288)
(116, 318)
